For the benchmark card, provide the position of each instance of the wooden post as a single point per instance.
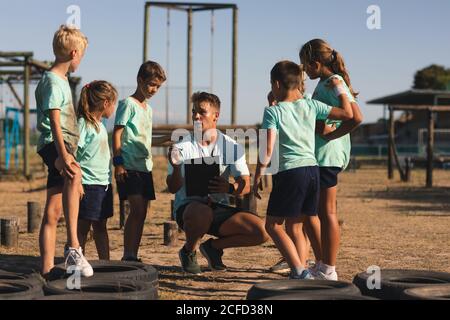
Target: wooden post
(234, 67)
(390, 146)
(189, 66)
(170, 233)
(26, 119)
(34, 216)
(171, 209)
(408, 167)
(124, 208)
(9, 232)
(146, 31)
(430, 148)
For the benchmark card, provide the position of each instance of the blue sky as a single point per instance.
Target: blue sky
(414, 34)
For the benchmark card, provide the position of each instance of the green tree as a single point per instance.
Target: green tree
(434, 77)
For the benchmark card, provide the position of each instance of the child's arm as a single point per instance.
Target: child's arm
(336, 113)
(262, 164)
(119, 170)
(66, 160)
(346, 126)
(175, 180)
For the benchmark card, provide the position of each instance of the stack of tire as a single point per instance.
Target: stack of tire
(18, 286)
(112, 280)
(393, 284)
(397, 284)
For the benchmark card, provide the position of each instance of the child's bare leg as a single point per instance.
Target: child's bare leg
(134, 225)
(47, 233)
(330, 225)
(83, 229)
(71, 204)
(274, 227)
(101, 239)
(295, 232)
(312, 228)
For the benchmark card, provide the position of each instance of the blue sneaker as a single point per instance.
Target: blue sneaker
(305, 275)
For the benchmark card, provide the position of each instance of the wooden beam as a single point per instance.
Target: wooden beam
(9, 54)
(11, 63)
(8, 82)
(421, 108)
(430, 149)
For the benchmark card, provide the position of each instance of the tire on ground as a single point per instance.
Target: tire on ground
(20, 290)
(318, 296)
(104, 269)
(34, 278)
(82, 296)
(433, 292)
(394, 281)
(283, 287)
(121, 288)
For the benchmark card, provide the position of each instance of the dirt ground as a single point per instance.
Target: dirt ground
(386, 223)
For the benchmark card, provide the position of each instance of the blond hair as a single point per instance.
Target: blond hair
(92, 98)
(67, 39)
(318, 50)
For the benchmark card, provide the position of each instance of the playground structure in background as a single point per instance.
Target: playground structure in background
(19, 68)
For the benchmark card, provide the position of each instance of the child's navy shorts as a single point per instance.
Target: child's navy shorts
(97, 203)
(329, 177)
(295, 192)
(137, 183)
(49, 155)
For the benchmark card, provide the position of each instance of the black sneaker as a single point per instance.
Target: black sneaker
(189, 261)
(131, 259)
(213, 255)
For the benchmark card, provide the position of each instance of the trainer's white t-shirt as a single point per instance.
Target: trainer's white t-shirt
(231, 162)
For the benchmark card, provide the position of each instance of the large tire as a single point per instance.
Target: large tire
(317, 296)
(104, 269)
(31, 278)
(120, 288)
(82, 296)
(394, 281)
(434, 292)
(19, 290)
(283, 287)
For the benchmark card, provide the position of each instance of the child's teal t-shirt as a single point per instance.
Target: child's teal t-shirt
(93, 154)
(137, 135)
(334, 153)
(296, 123)
(53, 92)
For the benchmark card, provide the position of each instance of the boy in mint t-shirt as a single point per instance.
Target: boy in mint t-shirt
(57, 124)
(132, 144)
(97, 101)
(295, 193)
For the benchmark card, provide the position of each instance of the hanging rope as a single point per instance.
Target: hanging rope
(167, 64)
(211, 79)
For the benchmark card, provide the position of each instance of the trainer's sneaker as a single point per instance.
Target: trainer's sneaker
(319, 275)
(305, 275)
(280, 267)
(131, 259)
(76, 258)
(189, 261)
(213, 255)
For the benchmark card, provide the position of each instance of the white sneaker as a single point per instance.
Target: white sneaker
(76, 258)
(319, 275)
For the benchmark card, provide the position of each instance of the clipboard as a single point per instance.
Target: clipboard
(198, 172)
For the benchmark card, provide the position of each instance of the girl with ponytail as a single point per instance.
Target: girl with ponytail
(97, 101)
(332, 144)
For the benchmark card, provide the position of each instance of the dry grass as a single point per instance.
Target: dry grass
(386, 223)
